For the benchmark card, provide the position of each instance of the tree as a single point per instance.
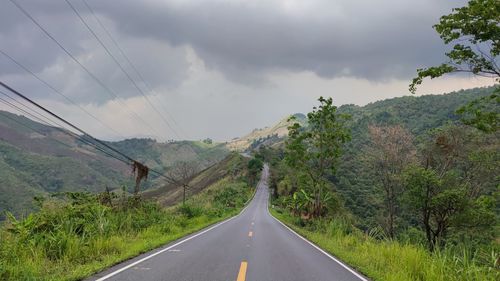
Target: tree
(254, 167)
(182, 172)
(391, 151)
(435, 201)
(313, 151)
(475, 32)
(483, 113)
(445, 189)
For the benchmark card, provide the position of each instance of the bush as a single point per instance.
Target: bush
(232, 196)
(75, 234)
(190, 211)
(384, 259)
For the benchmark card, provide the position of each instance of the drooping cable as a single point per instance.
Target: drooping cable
(58, 92)
(55, 126)
(95, 140)
(132, 65)
(121, 67)
(93, 76)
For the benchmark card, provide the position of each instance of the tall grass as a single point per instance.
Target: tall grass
(382, 259)
(71, 239)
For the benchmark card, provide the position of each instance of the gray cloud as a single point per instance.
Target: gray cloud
(162, 64)
(245, 40)
(368, 39)
(212, 62)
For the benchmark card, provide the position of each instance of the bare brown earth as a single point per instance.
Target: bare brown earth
(170, 194)
(279, 130)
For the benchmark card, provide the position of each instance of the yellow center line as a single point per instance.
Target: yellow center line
(243, 271)
(250, 234)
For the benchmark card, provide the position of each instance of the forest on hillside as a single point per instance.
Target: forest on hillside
(419, 117)
(405, 169)
(39, 160)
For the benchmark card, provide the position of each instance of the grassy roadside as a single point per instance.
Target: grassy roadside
(386, 260)
(73, 238)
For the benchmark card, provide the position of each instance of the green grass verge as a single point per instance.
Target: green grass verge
(73, 238)
(387, 260)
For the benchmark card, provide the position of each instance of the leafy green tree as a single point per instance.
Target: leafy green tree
(435, 202)
(483, 113)
(474, 31)
(448, 189)
(254, 167)
(313, 151)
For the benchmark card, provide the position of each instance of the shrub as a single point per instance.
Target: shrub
(231, 196)
(75, 234)
(190, 211)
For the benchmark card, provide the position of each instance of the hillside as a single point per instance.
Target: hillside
(171, 194)
(264, 136)
(354, 179)
(418, 114)
(34, 163)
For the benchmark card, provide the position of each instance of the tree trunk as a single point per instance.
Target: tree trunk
(428, 232)
(137, 186)
(391, 223)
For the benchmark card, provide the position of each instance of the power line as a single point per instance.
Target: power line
(132, 65)
(47, 120)
(36, 130)
(58, 92)
(76, 136)
(82, 131)
(141, 77)
(95, 78)
(59, 129)
(63, 120)
(51, 124)
(31, 128)
(90, 156)
(120, 66)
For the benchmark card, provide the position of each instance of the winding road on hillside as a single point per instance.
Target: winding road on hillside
(252, 246)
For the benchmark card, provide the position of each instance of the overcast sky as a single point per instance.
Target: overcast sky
(219, 68)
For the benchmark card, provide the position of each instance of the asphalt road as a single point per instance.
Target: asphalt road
(252, 246)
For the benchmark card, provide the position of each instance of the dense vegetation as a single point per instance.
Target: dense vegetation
(391, 260)
(414, 182)
(355, 179)
(76, 234)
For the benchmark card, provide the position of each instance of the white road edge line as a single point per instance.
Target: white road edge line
(168, 248)
(319, 249)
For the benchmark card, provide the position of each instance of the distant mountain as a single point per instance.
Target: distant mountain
(265, 136)
(36, 159)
